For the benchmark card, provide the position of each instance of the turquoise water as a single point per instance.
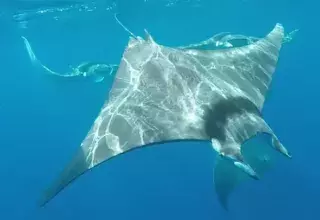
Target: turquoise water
(44, 118)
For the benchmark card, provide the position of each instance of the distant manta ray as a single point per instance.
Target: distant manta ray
(93, 70)
(163, 94)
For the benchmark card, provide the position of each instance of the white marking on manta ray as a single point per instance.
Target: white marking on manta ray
(96, 71)
(162, 94)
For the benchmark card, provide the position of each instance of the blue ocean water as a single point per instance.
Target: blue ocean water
(44, 118)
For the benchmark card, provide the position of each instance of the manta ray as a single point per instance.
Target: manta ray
(93, 70)
(164, 94)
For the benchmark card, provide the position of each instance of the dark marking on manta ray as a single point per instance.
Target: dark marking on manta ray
(217, 114)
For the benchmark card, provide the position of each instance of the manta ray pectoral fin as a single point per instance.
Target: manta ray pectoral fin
(74, 169)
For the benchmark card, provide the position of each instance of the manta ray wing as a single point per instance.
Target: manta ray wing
(164, 94)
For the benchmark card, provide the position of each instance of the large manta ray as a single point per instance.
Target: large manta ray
(162, 94)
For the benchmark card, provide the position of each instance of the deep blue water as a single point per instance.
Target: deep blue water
(43, 119)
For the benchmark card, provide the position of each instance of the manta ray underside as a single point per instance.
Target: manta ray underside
(162, 94)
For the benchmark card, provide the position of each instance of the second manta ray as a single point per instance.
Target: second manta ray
(162, 94)
(93, 70)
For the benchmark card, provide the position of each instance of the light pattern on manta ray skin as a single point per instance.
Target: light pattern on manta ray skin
(162, 94)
